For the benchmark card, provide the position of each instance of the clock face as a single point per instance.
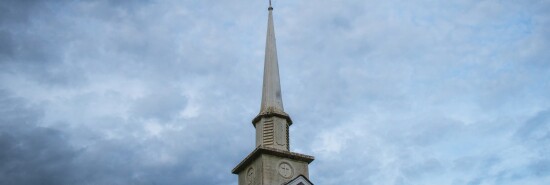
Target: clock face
(285, 170)
(250, 175)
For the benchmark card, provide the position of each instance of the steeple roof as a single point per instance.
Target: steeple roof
(272, 101)
(271, 93)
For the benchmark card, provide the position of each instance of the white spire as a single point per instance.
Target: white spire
(271, 95)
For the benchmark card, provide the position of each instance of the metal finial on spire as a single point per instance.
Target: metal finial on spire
(270, 7)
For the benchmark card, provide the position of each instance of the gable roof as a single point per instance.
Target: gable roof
(300, 180)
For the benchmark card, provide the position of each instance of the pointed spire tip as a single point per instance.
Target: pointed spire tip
(271, 91)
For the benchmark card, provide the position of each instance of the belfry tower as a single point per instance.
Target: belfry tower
(272, 163)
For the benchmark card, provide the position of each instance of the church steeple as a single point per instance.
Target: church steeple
(272, 122)
(272, 163)
(272, 100)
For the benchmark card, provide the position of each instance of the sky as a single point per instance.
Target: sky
(394, 92)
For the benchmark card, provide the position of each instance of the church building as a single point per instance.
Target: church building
(272, 162)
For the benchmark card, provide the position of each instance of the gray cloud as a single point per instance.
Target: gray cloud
(536, 129)
(394, 92)
(32, 154)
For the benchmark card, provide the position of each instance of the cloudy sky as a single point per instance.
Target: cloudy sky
(393, 92)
